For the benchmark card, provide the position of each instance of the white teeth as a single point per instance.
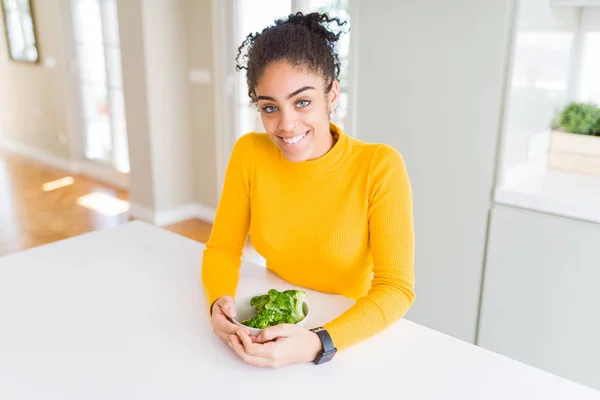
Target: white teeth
(294, 139)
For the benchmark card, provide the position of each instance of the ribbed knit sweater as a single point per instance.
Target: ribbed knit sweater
(341, 224)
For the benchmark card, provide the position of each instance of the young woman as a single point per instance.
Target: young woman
(327, 211)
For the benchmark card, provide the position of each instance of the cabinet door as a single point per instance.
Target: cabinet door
(541, 303)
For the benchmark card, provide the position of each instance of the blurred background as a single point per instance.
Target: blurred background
(117, 110)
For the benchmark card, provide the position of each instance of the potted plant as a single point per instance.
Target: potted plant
(575, 143)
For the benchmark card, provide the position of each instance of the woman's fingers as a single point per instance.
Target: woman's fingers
(224, 329)
(268, 350)
(222, 326)
(229, 311)
(274, 332)
(226, 305)
(222, 334)
(236, 344)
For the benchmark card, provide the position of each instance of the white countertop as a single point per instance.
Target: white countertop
(559, 193)
(121, 314)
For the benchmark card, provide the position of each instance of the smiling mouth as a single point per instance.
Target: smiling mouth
(292, 140)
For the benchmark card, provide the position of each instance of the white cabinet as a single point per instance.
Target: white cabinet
(541, 297)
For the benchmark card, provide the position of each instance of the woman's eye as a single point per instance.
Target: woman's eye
(303, 103)
(269, 109)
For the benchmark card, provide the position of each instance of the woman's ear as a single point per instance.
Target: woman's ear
(333, 96)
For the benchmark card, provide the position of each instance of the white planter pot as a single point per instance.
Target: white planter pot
(574, 153)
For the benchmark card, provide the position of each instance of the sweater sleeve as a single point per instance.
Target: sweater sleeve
(222, 257)
(391, 236)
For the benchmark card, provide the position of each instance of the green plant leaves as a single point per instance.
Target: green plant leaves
(580, 118)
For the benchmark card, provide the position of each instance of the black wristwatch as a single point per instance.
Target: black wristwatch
(329, 349)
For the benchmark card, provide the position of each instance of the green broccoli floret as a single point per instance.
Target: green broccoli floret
(266, 318)
(279, 301)
(262, 319)
(289, 319)
(284, 318)
(297, 297)
(259, 302)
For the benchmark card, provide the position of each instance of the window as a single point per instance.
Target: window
(587, 60)
(589, 82)
(98, 51)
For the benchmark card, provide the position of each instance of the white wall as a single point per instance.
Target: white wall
(33, 96)
(168, 102)
(157, 102)
(202, 101)
(540, 75)
(541, 297)
(141, 186)
(430, 83)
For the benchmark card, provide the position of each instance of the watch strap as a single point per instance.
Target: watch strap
(326, 340)
(329, 349)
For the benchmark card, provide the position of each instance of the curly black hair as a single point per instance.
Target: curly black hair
(305, 40)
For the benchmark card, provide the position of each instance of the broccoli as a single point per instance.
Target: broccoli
(259, 302)
(277, 308)
(288, 318)
(262, 319)
(279, 301)
(283, 318)
(297, 297)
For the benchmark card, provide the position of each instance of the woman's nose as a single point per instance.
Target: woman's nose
(287, 124)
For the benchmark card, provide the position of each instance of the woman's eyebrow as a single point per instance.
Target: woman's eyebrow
(297, 92)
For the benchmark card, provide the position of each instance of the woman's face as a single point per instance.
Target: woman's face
(295, 111)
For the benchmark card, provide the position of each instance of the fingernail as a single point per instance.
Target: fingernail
(230, 345)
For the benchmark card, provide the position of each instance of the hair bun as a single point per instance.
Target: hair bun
(318, 23)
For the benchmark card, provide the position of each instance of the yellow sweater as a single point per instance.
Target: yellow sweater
(341, 224)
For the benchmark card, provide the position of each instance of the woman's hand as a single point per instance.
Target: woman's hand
(223, 309)
(277, 346)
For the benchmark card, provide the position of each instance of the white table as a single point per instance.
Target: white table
(121, 314)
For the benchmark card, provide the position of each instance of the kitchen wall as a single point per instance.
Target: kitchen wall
(32, 96)
(430, 83)
(202, 101)
(168, 99)
(131, 38)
